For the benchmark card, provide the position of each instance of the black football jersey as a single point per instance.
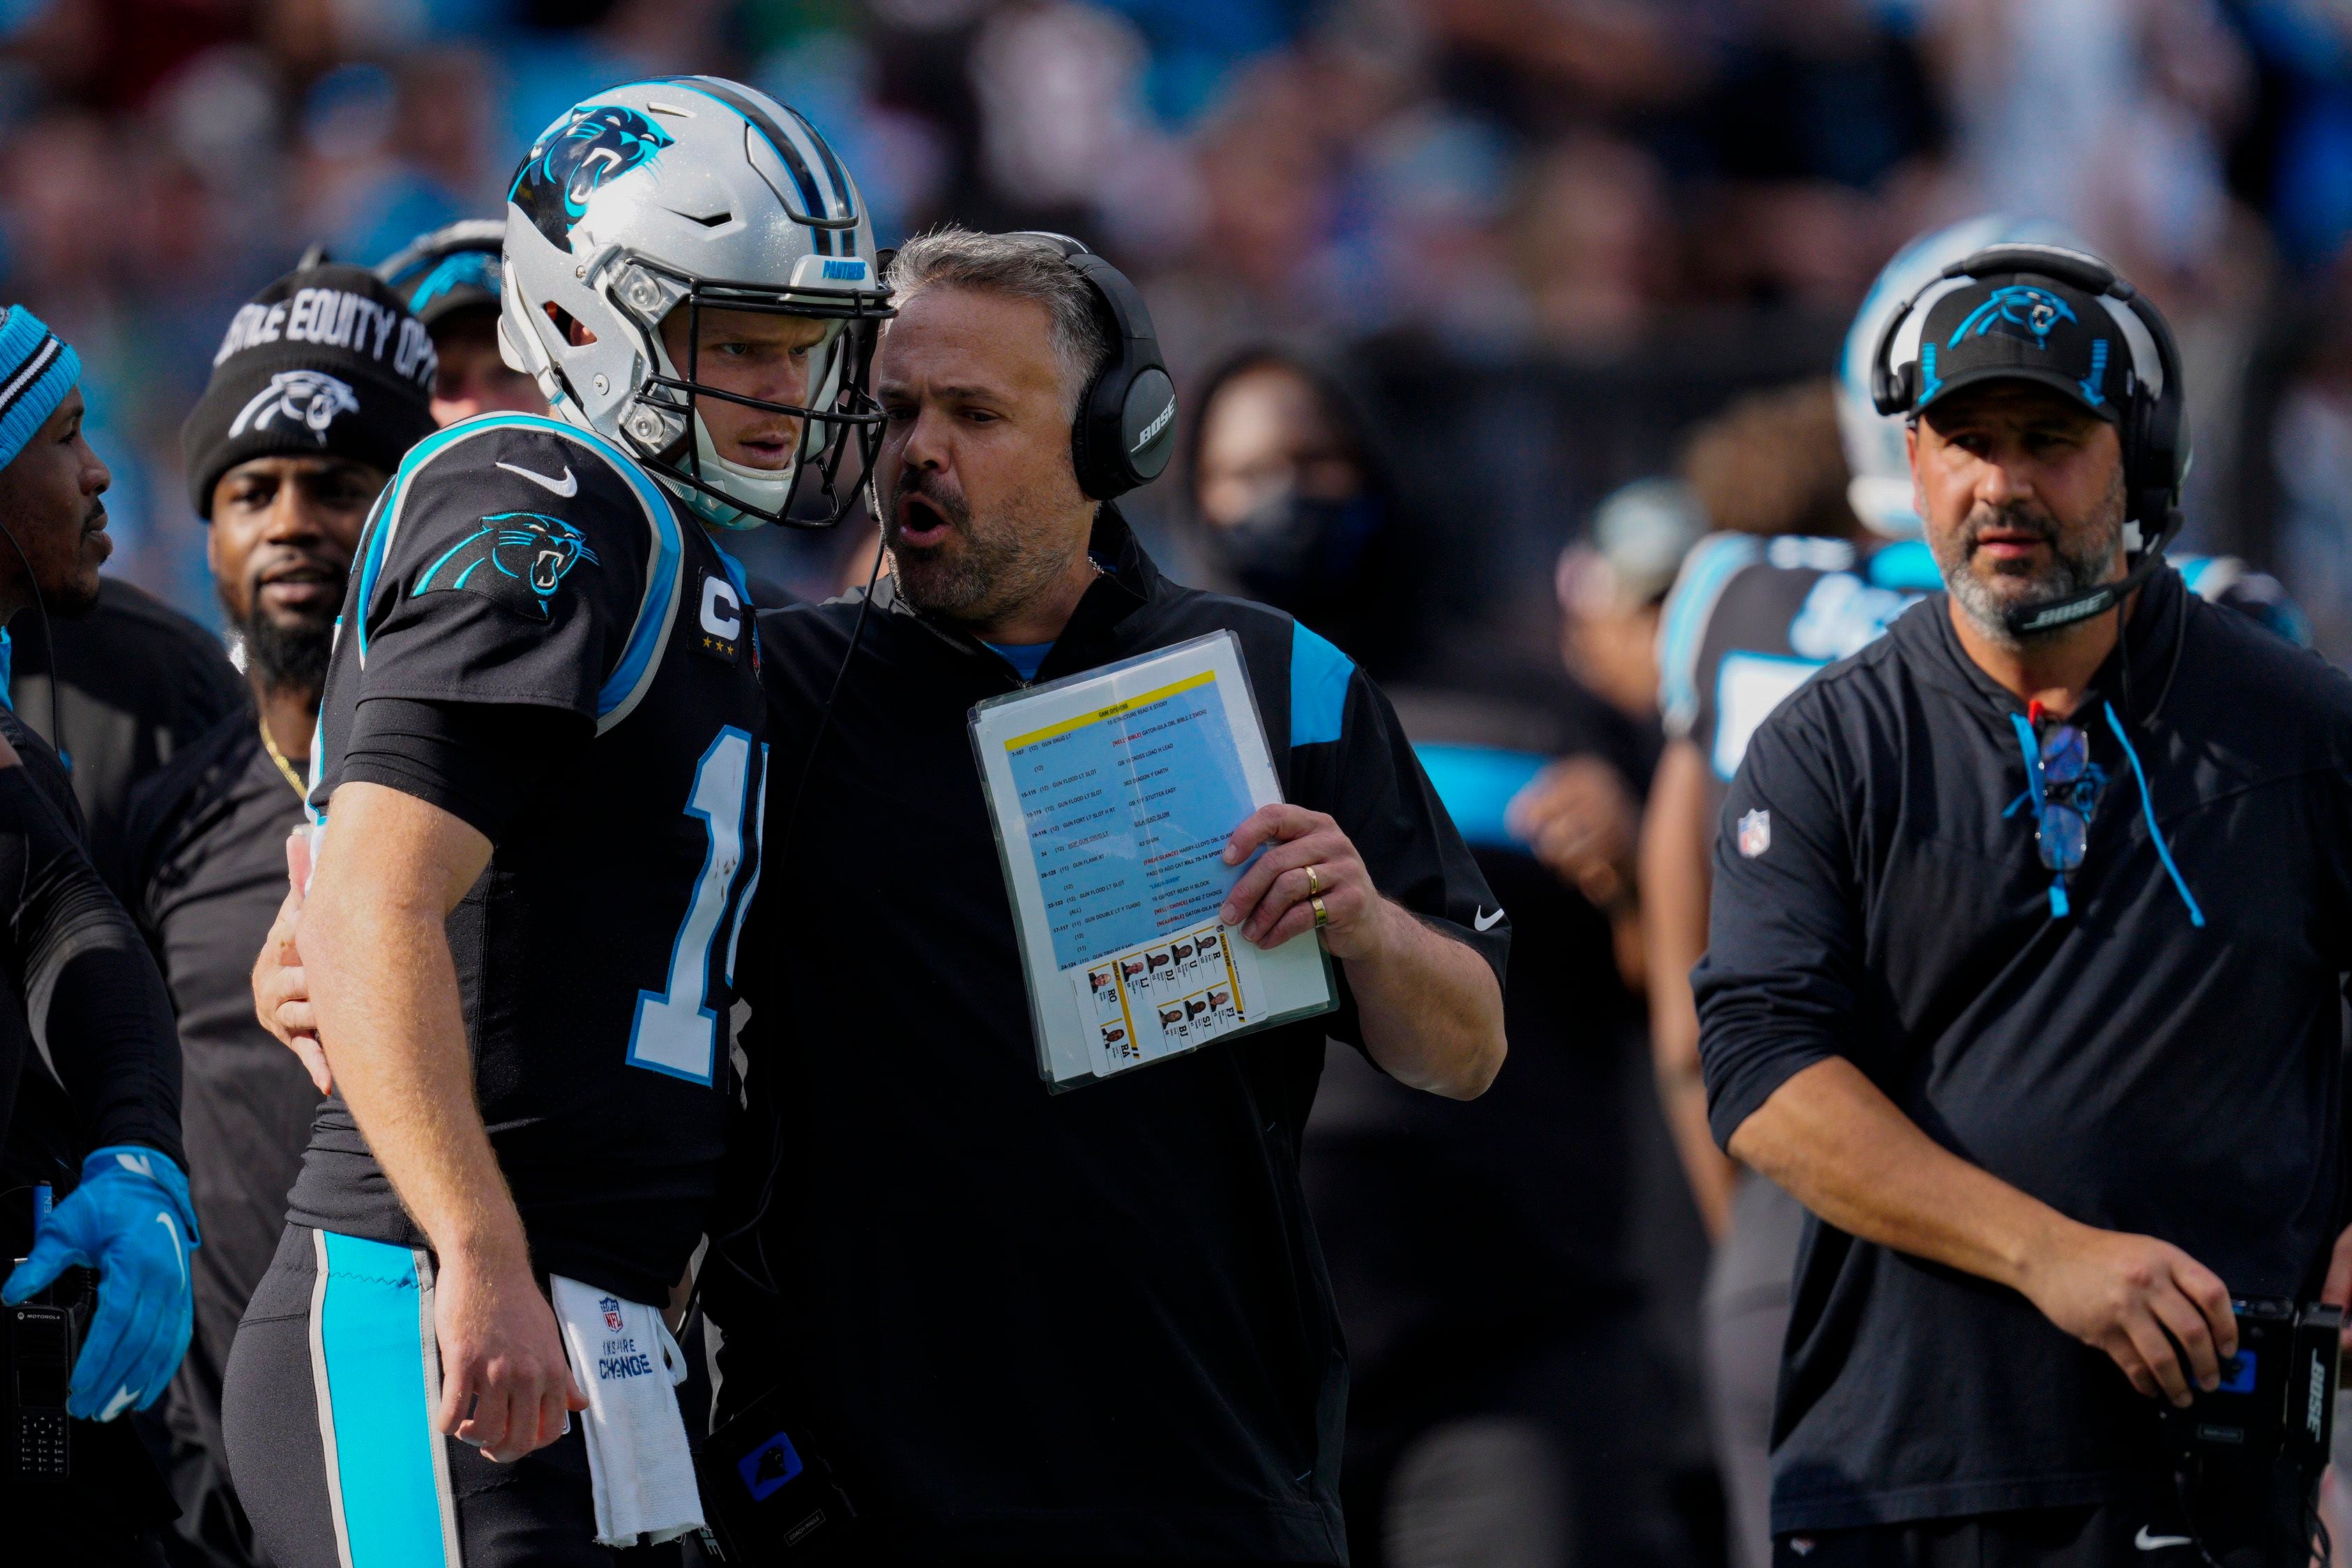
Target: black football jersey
(1751, 618)
(515, 559)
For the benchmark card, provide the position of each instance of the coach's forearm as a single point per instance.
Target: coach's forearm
(375, 948)
(1840, 1147)
(1432, 1010)
(1676, 833)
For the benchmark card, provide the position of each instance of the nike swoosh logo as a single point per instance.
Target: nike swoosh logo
(179, 1255)
(115, 1405)
(1484, 921)
(567, 486)
(2147, 1542)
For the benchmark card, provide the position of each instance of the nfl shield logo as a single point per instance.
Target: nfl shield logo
(612, 1314)
(1755, 833)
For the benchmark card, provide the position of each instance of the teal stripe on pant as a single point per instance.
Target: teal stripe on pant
(372, 1331)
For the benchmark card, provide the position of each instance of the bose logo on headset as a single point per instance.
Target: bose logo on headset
(1124, 433)
(2154, 428)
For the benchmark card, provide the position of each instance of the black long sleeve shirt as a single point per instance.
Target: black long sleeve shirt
(2129, 1068)
(88, 1054)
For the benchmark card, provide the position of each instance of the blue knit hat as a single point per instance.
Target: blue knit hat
(37, 368)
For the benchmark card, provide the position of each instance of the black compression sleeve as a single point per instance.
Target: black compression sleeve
(479, 762)
(90, 986)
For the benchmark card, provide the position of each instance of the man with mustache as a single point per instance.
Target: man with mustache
(2028, 941)
(204, 863)
(1142, 1363)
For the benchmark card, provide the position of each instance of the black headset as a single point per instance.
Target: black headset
(2154, 424)
(1125, 431)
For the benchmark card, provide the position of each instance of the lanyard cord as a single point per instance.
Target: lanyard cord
(2147, 805)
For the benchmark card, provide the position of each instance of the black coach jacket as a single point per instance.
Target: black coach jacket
(1085, 1325)
(1879, 896)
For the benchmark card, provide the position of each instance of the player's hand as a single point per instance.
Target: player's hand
(506, 1384)
(2160, 1314)
(282, 994)
(1582, 824)
(1271, 903)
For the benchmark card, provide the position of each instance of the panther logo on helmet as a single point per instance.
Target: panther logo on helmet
(528, 554)
(2019, 310)
(309, 397)
(592, 144)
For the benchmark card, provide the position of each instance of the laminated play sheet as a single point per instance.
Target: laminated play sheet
(1113, 794)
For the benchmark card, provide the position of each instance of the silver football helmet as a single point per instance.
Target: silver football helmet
(693, 193)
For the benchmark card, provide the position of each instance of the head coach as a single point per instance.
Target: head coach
(2029, 937)
(1023, 1325)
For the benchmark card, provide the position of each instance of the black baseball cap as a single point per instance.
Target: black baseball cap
(2024, 326)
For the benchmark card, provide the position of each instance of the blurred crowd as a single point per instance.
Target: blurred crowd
(1563, 229)
(1484, 264)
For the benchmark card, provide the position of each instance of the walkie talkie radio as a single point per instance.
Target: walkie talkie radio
(2247, 1455)
(39, 1339)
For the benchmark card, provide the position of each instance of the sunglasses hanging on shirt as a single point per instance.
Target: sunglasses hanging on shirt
(2063, 786)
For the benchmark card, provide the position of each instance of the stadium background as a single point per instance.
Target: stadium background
(1554, 233)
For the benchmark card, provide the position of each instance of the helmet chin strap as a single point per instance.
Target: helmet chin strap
(766, 488)
(2058, 613)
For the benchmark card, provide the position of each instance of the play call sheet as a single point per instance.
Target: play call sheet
(1124, 787)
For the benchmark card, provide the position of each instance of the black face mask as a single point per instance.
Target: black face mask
(1298, 549)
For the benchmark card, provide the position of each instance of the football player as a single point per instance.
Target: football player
(539, 779)
(1748, 620)
(449, 278)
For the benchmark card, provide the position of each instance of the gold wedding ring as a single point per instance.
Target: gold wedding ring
(1322, 915)
(1314, 885)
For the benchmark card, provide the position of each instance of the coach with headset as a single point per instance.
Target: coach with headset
(2031, 925)
(1023, 1325)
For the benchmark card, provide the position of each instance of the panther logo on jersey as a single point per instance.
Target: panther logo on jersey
(2019, 310)
(312, 399)
(573, 158)
(529, 555)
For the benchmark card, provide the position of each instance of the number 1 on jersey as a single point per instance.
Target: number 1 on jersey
(677, 1030)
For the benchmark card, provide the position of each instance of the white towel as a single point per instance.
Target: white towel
(638, 1461)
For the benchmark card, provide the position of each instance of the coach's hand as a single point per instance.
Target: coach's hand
(1275, 899)
(505, 1382)
(282, 994)
(2145, 1302)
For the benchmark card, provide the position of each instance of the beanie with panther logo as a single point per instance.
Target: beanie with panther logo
(326, 362)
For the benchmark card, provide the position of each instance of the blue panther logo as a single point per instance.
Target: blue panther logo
(528, 554)
(589, 146)
(2016, 310)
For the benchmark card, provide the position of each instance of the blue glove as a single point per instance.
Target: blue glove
(132, 1222)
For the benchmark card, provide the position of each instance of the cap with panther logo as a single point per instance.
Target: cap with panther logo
(327, 360)
(2026, 327)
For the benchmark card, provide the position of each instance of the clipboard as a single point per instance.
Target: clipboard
(1112, 794)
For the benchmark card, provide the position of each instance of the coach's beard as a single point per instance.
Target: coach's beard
(1989, 596)
(976, 571)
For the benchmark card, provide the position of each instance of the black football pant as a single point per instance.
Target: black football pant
(327, 1410)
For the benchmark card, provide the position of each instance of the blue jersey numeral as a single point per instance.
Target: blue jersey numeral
(677, 1030)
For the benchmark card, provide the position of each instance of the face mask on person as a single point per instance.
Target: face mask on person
(1296, 548)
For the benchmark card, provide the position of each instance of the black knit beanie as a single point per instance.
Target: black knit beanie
(326, 359)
